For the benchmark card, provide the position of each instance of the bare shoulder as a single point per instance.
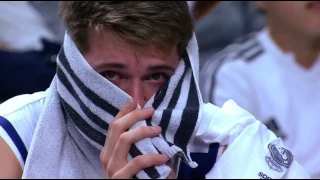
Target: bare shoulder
(9, 164)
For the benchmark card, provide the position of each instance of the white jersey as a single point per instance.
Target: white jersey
(22, 26)
(22, 112)
(268, 83)
(229, 125)
(18, 120)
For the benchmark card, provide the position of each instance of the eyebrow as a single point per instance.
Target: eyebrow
(115, 65)
(120, 66)
(161, 67)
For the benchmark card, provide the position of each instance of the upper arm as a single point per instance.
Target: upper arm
(18, 119)
(9, 164)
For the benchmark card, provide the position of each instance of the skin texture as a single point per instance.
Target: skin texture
(294, 26)
(9, 165)
(118, 143)
(140, 73)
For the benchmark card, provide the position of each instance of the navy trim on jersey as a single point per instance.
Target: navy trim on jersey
(7, 126)
(205, 163)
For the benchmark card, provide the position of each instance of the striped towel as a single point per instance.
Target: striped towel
(80, 105)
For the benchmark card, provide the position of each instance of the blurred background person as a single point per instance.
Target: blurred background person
(218, 23)
(30, 37)
(274, 74)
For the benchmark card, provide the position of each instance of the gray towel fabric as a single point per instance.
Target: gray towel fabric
(80, 105)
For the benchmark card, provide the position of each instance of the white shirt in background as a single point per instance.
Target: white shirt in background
(269, 83)
(22, 27)
(248, 141)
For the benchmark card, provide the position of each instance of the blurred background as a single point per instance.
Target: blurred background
(31, 33)
(30, 37)
(273, 76)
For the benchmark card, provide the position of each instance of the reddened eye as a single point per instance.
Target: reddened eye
(156, 76)
(110, 74)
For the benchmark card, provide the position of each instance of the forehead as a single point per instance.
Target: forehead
(105, 47)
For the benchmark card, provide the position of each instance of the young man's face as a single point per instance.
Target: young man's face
(300, 16)
(139, 75)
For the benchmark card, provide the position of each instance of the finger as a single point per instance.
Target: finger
(120, 126)
(139, 163)
(124, 123)
(130, 106)
(128, 138)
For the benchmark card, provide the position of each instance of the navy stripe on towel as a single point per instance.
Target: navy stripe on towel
(97, 100)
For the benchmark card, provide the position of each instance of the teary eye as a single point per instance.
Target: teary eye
(156, 76)
(110, 74)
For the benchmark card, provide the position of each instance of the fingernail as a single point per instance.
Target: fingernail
(155, 128)
(148, 109)
(164, 157)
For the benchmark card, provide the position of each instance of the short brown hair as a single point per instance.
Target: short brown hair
(160, 24)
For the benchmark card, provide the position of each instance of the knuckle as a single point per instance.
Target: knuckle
(110, 171)
(137, 113)
(116, 176)
(119, 175)
(145, 131)
(115, 125)
(124, 138)
(101, 156)
(140, 161)
(112, 124)
(103, 161)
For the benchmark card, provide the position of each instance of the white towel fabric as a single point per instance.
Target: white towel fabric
(72, 128)
(80, 104)
(253, 151)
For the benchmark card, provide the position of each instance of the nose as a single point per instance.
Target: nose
(136, 91)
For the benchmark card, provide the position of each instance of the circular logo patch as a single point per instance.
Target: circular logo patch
(281, 155)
